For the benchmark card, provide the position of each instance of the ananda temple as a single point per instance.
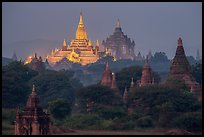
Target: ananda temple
(80, 50)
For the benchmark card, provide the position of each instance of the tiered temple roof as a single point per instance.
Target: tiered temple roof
(180, 69)
(80, 50)
(119, 44)
(32, 121)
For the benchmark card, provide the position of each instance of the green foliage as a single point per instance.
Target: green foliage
(123, 77)
(100, 96)
(176, 84)
(191, 121)
(145, 122)
(85, 121)
(15, 88)
(111, 112)
(59, 108)
(197, 72)
(163, 104)
(156, 99)
(56, 84)
(159, 57)
(8, 114)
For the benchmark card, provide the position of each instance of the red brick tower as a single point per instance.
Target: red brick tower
(146, 75)
(113, 83)
(180, 70)
(107, 77)
(32, 121)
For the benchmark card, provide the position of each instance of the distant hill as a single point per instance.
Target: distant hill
(23, 49)
(6, 61)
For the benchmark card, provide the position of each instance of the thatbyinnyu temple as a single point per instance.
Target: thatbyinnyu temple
(119, 44)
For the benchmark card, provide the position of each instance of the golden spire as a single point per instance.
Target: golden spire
(81, 32)
(64, 43)
(97, 43)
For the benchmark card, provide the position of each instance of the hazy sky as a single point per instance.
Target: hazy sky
(153, 26)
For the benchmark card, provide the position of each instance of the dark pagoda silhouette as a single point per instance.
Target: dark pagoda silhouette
(119, 44)
(37, 63)
(107, 76)
(32, 121)
(147, 78)
(180, 70)
(14, 57)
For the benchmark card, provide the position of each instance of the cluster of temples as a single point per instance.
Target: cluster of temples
(179, 71)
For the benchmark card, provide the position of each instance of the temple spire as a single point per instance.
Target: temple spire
(132, 87)
(33, 90)
(64, 43)
(107, 66)
(81, 20)
(81, 32)
(118, 23)
(132, 83)
(113, 84)
(125, 96)
(180, 42)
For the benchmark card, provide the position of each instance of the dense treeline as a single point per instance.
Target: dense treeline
(18, 79)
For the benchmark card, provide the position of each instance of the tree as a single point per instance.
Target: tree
(15, 87)
(100, 100)
(197, 72)
(59, 108)
(123, 77)
(160, 57)
(52, 84)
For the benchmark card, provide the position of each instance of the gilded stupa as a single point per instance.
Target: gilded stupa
(80, 50)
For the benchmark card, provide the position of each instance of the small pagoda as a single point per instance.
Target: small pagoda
(32, 121)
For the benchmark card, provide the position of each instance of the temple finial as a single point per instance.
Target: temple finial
(132, 82)
(64, 43)
(180, 42)
(81, 20)
(33, 90)
(107, 66)
(118, 23)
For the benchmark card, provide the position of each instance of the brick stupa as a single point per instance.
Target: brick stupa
(180, 70)
(147, 78)
(32, 121)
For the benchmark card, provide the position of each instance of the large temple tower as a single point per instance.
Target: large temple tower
(180, 70)
(80, 50)
(119, 44)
